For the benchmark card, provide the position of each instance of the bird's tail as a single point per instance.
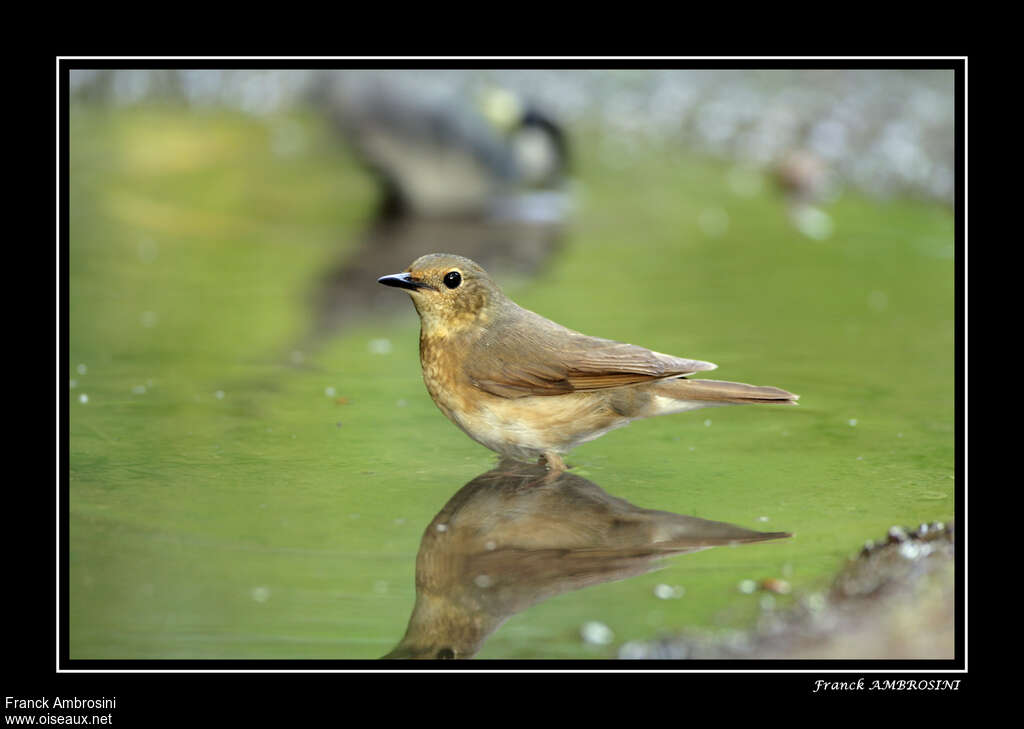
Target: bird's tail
(711, 392)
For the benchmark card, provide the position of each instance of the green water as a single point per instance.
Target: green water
(230, 498)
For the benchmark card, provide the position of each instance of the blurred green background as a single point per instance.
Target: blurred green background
(235, 495)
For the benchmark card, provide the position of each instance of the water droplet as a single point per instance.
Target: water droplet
(763, 518)
(83, 398)
(380, 346)
(852, 422)
(596, 633)
(81, 369)
(707, 423)
(442, 527)
(483, 581)
(260, 594)
(490, 545)
(747, 587)
(669, 592)
(813, 223)
(330, 391)
(219, 394)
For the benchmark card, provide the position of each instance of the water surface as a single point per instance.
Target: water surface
(239, 490)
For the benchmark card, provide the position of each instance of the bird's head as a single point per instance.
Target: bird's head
(450, 293)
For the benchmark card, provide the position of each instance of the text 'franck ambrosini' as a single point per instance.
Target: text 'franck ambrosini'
(11, 702)
(888, 685)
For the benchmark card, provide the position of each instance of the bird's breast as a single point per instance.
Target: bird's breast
(442, 374)
(519, 427)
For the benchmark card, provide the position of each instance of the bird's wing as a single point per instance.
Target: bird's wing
(535, 356)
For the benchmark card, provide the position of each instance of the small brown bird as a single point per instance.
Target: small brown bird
(527, 387)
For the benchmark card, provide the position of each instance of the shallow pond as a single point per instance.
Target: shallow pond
(250, 477)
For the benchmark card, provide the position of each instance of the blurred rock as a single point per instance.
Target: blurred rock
(895, 600)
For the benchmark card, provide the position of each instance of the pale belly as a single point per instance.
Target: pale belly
(525, 428)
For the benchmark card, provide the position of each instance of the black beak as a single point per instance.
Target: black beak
(403, 281)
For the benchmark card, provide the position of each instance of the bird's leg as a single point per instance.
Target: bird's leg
(555, 466)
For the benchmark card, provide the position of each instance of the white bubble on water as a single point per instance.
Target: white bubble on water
(260, 594)
(596, 633)
(330, 391)
(83, 398)
(669, 592)
(81, 369)
(813, 223)
(380, 346)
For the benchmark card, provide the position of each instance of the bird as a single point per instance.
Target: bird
(531, 389)
(440, 155)
(513, 537)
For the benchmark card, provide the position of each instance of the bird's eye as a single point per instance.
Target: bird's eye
(446, 653)
(452, 279)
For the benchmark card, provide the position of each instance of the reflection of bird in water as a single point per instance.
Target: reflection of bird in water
(512, 538)
(437, 155)
(486, 182)
(527, 387)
